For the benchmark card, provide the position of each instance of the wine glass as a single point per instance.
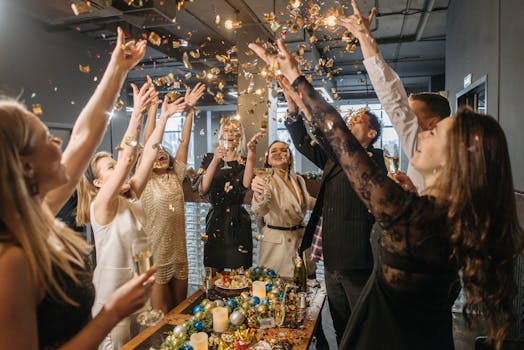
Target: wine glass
(143, 261)
(265, 174)
(207, 279)
(224, 143)
(391, 157)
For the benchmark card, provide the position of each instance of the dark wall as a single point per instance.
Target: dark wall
(483, 39)
(43, 66)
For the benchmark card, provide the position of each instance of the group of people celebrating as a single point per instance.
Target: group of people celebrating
(453, 211)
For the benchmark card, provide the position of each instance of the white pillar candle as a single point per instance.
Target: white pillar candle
(199, 341)
(220, 319)
(259, 289)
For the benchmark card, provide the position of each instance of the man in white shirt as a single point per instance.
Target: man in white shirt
(409, 116)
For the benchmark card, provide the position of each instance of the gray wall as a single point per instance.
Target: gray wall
(35, 60)
(483, 39)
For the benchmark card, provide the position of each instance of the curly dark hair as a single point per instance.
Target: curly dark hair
(486, 237)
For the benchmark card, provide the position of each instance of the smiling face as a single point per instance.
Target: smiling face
(432, 147)
(105, 168)
(43, 164)
(279, 156)
(162, 161)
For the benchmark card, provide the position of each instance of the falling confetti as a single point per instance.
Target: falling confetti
(84, 69)
(80, 7)
(185, 60)
(37, 109)
(118, 106)
(172, 96)
(155, 39)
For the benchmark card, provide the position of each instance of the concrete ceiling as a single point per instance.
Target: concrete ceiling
(411, 34)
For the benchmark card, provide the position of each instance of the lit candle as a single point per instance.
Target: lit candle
(199, 341)
(259, 289)
(220, 319)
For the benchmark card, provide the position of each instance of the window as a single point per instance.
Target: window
(172, 136)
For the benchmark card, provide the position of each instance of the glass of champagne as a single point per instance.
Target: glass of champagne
(391, 157)
(280, 313)
(265, 174)
(143, 261)
(224, 143)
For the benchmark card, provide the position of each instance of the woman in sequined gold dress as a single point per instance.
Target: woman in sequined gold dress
(229, 242)
(163, 202)
(280, 202)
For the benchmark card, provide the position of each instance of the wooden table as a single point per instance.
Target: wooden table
(177, 316)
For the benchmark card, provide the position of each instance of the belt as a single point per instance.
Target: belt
(292, 228)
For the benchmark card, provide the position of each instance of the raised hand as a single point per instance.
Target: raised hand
(252, 143)
(131, 296)
(192, 96)
(127, 55)
(292, 96)
(220, 152)
(168, 109)
(143, 98)
(283, 62)
(358, 25)
(404, 181)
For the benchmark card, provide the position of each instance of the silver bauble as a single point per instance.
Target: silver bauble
(180, 329)
(236, 318)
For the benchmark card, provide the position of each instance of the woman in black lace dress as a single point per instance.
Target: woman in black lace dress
(467, 220)
(46, 291)
(225, 177)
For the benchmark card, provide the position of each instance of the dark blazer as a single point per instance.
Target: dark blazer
(347, 222)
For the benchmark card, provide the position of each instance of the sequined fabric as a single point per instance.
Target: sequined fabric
(163, 201)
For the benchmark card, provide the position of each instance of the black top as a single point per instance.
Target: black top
(228, 225)
(407, 304)
(59, 321)
(345, 217)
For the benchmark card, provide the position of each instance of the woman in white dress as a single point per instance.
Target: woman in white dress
(280, 202)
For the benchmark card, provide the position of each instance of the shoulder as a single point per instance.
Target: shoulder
(14, 268)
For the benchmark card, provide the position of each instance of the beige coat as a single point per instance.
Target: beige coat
(283, 206)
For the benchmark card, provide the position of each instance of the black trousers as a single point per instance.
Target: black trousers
(343, 290)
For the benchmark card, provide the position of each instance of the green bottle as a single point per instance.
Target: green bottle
(299, 275)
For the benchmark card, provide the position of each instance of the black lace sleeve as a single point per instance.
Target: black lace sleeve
(385, 199)
(208, 157)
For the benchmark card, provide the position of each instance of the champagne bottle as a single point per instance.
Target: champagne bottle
(299, 274)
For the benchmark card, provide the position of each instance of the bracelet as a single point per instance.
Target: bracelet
(131, 142)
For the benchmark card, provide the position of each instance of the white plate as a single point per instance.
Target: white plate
(219, 284)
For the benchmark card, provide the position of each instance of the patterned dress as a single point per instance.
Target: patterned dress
(228, 225)
(163, 202)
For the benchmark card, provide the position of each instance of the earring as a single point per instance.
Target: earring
(33, 187)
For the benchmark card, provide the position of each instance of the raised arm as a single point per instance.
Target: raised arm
(206, 178)
(251, 161)
(151, 119)
(382, 196)
(387, 84)
(191, 98)
(106, 200)
(143, 172)
(90, 126)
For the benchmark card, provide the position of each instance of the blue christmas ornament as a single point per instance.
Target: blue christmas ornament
(199, 325)
(257, 270)
(197, 309)
(232, 303)
(269, 286)
(271, 273)
(281, 295)
(256, 300)
(187, 347)
(265, 301)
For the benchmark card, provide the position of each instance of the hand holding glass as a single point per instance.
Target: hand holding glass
(143, 260)
(392, 157)
(225, 144)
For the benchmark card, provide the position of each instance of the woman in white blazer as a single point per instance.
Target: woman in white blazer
(280, 202)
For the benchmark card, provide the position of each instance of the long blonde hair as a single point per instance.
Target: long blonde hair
(86, 189)
(29, 224)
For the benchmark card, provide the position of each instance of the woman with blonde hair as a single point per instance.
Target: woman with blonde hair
(226, 177)
(163, 201)
(115, 212)
(465, 220)
(46, 293)
(280, 202)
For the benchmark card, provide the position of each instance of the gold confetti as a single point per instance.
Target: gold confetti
(221, 85)
(37, 109)
(295, 4)
(185, 60)
(172, 207)
(119, 104)
(172, 96)
(219, 98)
(155, 39)
(176, 44)
(84, 69)
(229, 24)
(217, 19)
(195, 54)
(227, 187)
(313, 39)
(80, 7)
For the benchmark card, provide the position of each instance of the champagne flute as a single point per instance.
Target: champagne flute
(265, 174)
(224, 143)
(280, 313)
(143, 261)
(391, 157)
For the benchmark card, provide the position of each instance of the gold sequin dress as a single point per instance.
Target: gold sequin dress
(163, 202)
